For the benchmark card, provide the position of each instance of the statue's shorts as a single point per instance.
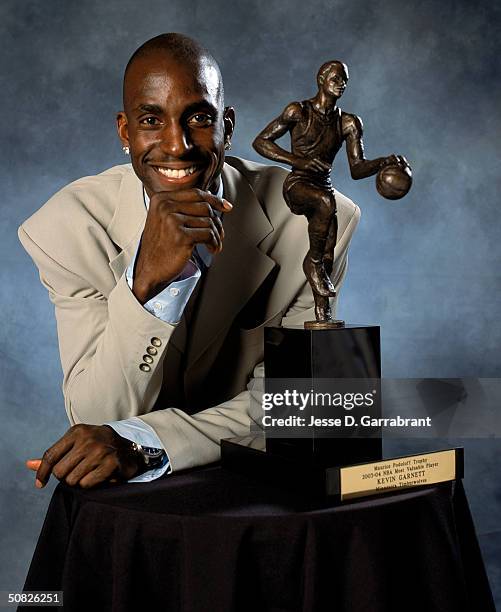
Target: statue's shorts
(306, 193)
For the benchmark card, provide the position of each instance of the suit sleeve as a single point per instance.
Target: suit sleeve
(102, 343)
(194, 440)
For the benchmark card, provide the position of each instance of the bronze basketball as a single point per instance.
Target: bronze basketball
(393, 182)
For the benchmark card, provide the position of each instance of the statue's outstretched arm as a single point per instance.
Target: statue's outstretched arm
(360, 167)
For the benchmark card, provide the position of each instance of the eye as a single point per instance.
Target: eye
(201, 120)
(150, 120)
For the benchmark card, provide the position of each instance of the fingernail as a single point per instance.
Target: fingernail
(227, 205)
(38, 484)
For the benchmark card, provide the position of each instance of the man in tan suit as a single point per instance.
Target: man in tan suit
(161, 287)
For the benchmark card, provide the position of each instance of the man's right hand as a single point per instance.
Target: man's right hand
(177, 221)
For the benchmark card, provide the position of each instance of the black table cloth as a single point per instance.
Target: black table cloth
(210, 540)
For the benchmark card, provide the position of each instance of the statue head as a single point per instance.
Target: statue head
(332, 78)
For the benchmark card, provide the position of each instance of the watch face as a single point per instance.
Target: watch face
(152, 453)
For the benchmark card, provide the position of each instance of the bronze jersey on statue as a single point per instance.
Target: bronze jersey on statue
(319, 136)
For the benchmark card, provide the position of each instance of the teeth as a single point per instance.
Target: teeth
(171, 173)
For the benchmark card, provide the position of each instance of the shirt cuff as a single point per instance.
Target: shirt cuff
(138, 431)
(169, 304)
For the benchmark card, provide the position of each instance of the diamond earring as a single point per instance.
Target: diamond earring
(126, 150)
(227, 144)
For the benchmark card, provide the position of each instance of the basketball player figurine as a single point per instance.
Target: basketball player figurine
(317, 129)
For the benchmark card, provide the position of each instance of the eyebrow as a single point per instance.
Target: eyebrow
(195, 106)
(198, 106)
(149, 108)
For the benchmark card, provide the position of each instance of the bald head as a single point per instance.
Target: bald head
(180, 48)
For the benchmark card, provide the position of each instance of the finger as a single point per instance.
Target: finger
(220, 228)
(217, 203)
(68, 463)
(33, 464)
(212, 224)
(200, 235)
(199, 208)
(216, 226)
(205, 236)
(99, 474)
(84, 467)
(179, 201)
(51, 456)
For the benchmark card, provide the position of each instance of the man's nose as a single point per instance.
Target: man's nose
(175, 141)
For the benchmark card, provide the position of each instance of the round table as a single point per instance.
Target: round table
(210, 540)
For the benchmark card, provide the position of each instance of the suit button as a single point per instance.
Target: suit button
(144, 367)
(151, 350)
(147, 359)
(156, 342)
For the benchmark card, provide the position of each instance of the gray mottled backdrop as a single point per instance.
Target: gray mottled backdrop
(426, 79)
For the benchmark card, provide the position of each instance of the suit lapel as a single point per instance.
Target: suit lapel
(238, 271)
(128, 221)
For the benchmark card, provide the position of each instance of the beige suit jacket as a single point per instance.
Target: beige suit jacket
(82, 241)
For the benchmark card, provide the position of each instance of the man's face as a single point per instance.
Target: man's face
(174, 123)
(335, 81)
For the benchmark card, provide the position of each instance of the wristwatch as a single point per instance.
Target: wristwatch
(152, 457)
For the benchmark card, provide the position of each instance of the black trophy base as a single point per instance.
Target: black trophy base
(248, 456)
(350, 353)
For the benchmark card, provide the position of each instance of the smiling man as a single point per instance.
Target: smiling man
(163, 275)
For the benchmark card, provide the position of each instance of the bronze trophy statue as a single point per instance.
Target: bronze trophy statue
(318, 128)
(317, 449)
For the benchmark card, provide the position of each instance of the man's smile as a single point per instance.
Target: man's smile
(177, 172)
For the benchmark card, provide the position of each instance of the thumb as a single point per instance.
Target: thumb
(33, 464)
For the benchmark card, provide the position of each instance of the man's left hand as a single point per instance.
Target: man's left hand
(87, 455)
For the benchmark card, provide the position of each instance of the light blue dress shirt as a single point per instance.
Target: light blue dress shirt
(167, 306)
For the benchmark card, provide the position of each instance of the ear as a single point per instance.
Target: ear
(122, 128)
(229, 122)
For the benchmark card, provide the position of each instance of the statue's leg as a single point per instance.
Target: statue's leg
(322, 308)
(319, 223)
(323, 311)
(318, 205)
(330, 244)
